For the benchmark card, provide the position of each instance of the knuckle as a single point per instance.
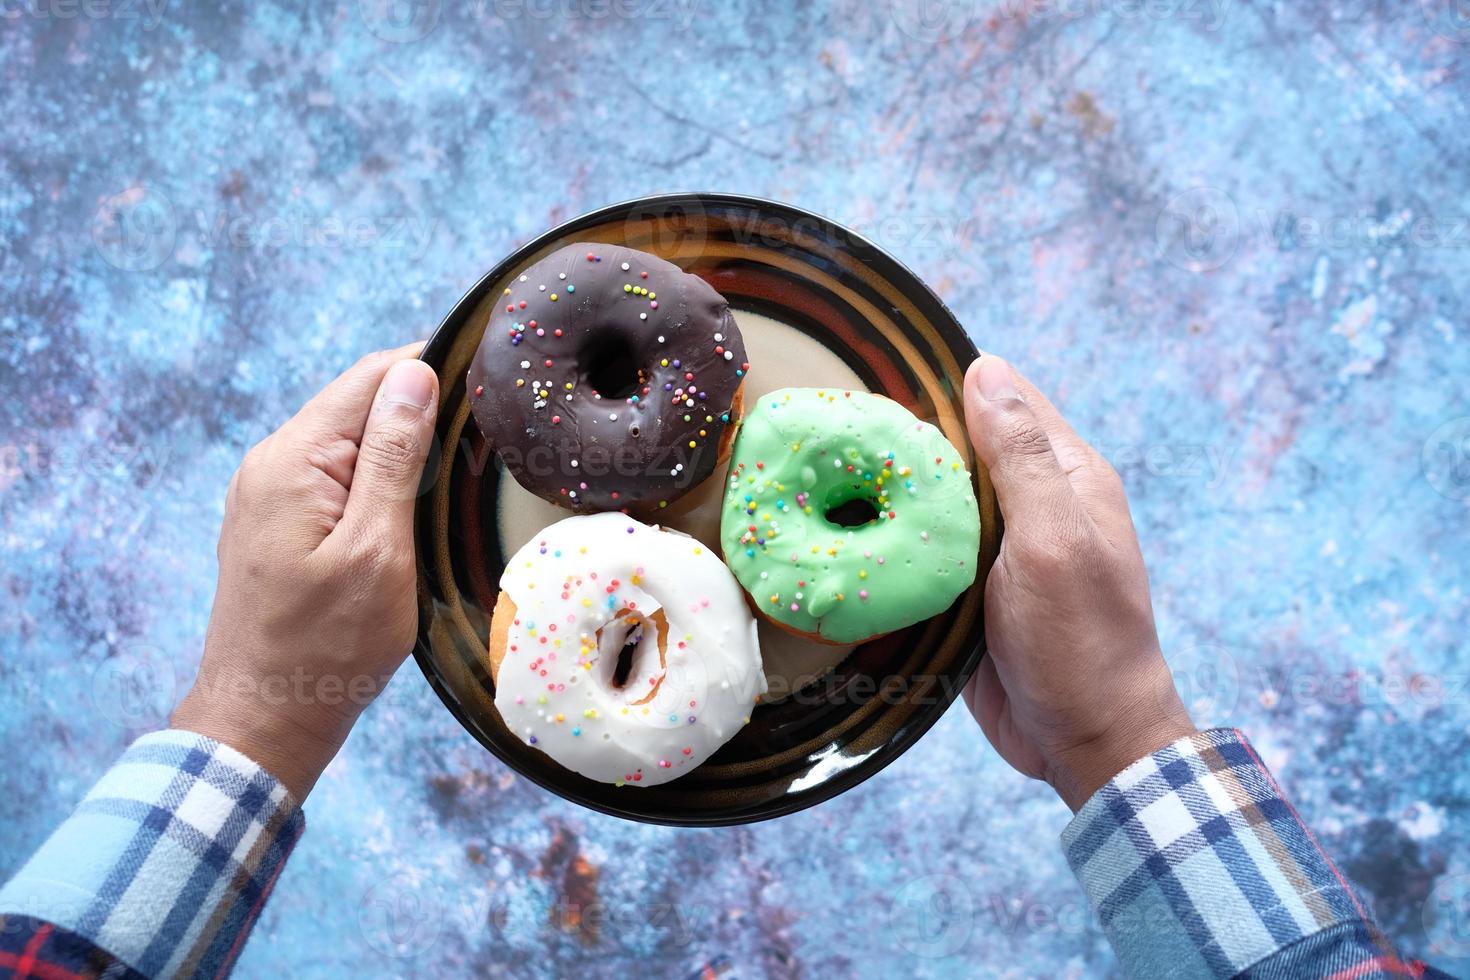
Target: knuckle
(1103, 473)
(1025, 440)
(328, 455)
(391, 446)
(1044, 559)
(369, 553)
(375, 557)
(242, 484)
(257, 471)
(254, 457)
(1061, 544)
(372, 360)
(1074, 536)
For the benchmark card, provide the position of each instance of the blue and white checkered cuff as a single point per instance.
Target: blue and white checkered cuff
(168, 860)
(1199, 867)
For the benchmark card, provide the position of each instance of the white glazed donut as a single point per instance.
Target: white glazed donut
(630, 655)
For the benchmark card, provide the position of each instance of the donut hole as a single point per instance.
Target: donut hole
(623, 663)
(851, 512)
(631, 653)
(613, 370)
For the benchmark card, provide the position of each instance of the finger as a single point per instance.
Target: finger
(390, 460)
(985, 697)
(1093, 480)
(1030, 485)
(339, 411)
(992, 707)
(1070, 449)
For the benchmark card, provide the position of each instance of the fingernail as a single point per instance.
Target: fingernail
(409, 383)
(995, 381)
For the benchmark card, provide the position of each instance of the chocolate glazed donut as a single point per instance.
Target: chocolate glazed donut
(609, 379)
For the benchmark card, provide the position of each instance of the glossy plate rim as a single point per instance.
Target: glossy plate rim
(955, 336)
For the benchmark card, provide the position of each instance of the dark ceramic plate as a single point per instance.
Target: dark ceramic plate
(890, 329)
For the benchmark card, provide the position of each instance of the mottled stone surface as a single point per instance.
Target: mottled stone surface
(1230, 237)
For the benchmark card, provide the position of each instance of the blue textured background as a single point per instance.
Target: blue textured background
(1230, 237)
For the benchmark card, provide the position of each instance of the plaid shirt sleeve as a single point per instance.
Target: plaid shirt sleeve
(161, 871)
(1198, 866)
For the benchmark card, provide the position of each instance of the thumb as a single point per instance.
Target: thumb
(395, 443)
(1030, 485)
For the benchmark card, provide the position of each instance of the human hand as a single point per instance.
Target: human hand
(315, 607)
(1074, 687)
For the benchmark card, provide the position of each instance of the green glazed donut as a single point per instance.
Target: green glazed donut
(845, 517)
